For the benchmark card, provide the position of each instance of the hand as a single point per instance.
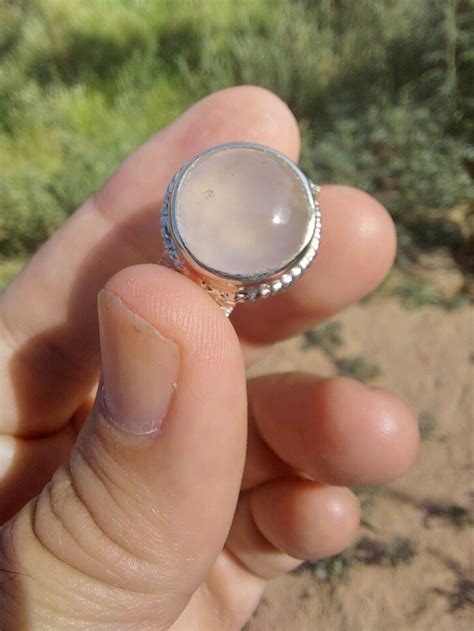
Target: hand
(163, 512)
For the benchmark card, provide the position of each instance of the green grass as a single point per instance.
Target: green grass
(8, 271)
(381, 88)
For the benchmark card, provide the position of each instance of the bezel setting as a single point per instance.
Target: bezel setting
(228, 289)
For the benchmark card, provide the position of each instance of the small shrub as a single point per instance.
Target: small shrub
(366, 551)
(328, 337)
(335, 568)
(358, 368)
(453, 514)
(415, 293)
(374, 552)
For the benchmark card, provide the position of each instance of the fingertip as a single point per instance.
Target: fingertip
(304, 519)
(253, 114)
(344, 515)
(178, 308)
(374, 218)
(376, 430)
(344, 432)
(363, 234)
(398, 430)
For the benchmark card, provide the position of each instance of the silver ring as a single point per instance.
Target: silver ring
(242, 220)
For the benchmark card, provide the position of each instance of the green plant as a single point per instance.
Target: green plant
(359, 368)
(334, 568)
(375, 552)
(453, 514)
(366, 551)
(382, 91)
(328, 337)
(415, 293)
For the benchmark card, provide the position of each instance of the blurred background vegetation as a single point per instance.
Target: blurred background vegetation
(382, 90)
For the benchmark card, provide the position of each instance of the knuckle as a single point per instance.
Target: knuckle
(55, 556)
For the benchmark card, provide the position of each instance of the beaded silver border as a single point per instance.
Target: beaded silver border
(226, 289)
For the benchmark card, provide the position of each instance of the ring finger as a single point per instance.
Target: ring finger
(281, 523)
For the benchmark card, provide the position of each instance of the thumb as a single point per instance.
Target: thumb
(128, 529)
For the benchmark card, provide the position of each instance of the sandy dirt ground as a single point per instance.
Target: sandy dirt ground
(412, 565)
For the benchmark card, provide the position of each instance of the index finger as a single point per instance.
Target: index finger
(49, 347)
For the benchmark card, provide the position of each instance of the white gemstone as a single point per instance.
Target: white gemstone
(243, 211)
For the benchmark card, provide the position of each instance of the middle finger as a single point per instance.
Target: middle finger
(337, 431)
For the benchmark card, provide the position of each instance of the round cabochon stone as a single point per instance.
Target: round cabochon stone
(243, 211)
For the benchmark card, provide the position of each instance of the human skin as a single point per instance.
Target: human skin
(182, 489)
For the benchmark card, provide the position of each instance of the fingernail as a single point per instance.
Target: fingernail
(139, 367)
